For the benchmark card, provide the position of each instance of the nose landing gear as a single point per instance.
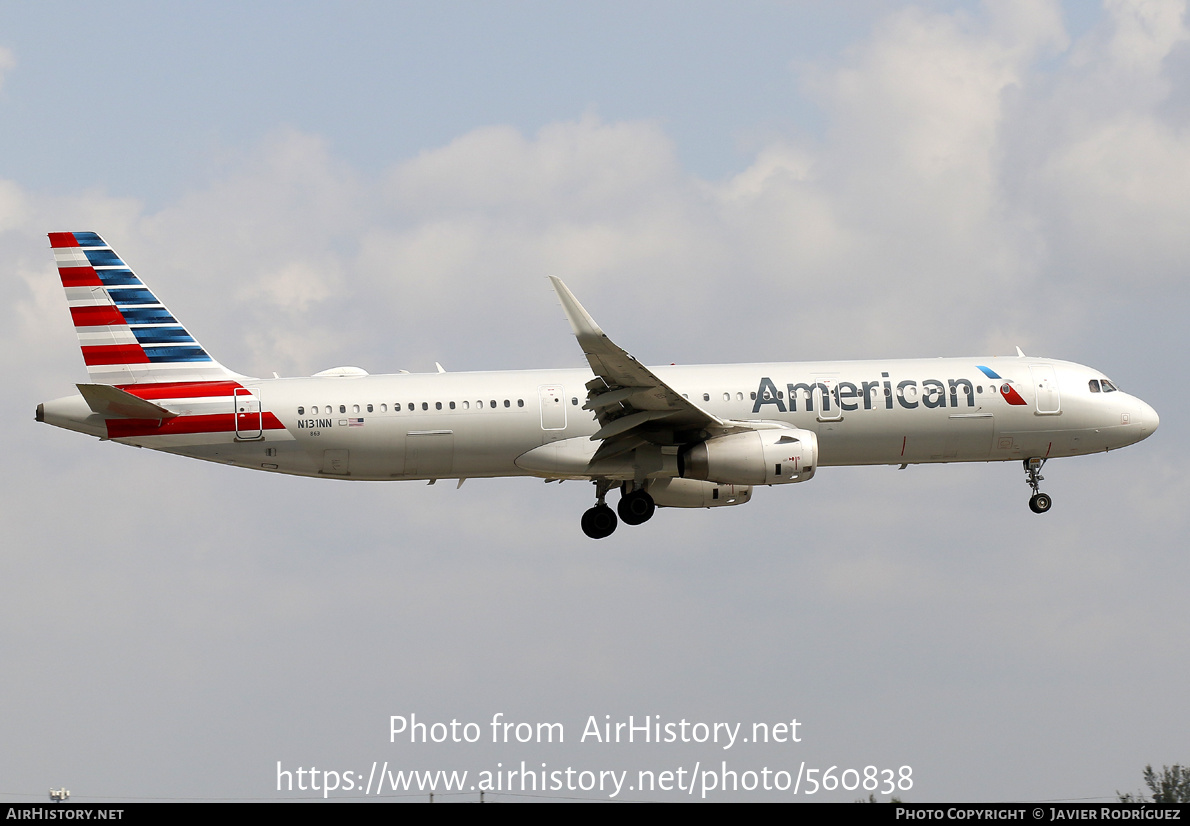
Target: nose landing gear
(1039, 502)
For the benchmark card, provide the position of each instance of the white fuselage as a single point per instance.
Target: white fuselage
(468, 425)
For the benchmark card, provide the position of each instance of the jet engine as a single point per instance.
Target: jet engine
(758, 457)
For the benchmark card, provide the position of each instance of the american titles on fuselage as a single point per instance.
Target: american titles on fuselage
(847, 396)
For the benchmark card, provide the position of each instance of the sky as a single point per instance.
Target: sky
(388, 185)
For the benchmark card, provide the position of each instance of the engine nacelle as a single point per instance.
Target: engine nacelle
(693, 493)
(759, 457)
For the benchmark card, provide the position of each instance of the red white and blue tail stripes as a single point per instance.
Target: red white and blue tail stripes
(127, 336)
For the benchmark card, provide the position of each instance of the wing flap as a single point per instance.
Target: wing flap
(623, 424)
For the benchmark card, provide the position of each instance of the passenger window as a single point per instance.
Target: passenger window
(452, 405)
(396, 407)
(506, 403)
(437, 405)
(726, 397)
(574, 400)
(425, 405)
(706, 397)
(466, 405)
(383, 408)
(493, 404)
(314, 410)
(355, 408)
(369, 408)
(301, 411)
(520, 402)
(342, 408)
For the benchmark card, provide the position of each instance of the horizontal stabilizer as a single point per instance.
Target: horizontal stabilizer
(114, 403)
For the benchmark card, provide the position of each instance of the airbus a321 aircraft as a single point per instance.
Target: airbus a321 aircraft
(677, 436)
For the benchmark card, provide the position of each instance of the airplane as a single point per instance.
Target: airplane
(676, 436)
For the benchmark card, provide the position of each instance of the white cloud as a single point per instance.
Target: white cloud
(1099, 162)
(935, 200)
(574, 169)
(1144, 32)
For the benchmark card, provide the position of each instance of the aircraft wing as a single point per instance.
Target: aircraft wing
(633, 406)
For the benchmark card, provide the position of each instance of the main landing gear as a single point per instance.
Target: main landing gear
(636, 507)
(1039, 502)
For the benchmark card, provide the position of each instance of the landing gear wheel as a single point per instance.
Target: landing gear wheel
(636, 508)
(599, 522)
(1040, 502)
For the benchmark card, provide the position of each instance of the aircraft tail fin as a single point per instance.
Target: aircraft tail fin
(127, 336)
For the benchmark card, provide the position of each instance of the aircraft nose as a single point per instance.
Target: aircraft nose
(1143, 417)
(1149, 417)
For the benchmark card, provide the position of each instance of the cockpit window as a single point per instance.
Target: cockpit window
(1108, 387)
(1094, 385)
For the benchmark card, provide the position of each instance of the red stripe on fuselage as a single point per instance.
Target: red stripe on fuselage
(79, 277)
(208, 423)
(115, 354)
(181, 389)
(1009, 394)
(63, 239)
(101, 315)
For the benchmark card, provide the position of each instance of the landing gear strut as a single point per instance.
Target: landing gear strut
(600, 521)
(1039, 502)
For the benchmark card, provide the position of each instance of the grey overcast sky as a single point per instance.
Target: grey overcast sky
(388, 184)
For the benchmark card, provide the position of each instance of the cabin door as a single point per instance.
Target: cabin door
(1045, 388)
(552, 398)
(246, 406)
